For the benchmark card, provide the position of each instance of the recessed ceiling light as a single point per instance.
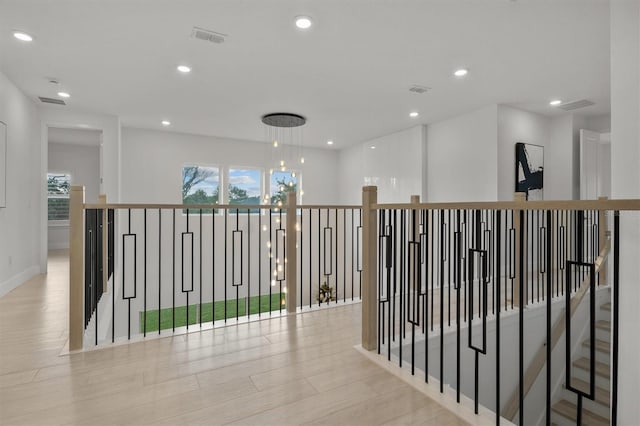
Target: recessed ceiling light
(303, 22)
(461, 72)
(555, 102)
(414, 114)
(22, 36)
(372, 147)
(184, 69)
(329, 142)
(166, 123)
(64, 95)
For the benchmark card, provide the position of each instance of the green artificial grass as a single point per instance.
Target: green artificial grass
(166, 314)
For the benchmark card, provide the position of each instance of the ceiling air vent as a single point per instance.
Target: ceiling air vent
(419, 89)
(51, 101)
(568, 106)
(206, 35)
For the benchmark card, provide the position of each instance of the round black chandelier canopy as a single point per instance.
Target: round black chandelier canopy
(283, 119)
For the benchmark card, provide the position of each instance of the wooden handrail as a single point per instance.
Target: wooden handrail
(539, 360)
(213, 206)
(630, 204)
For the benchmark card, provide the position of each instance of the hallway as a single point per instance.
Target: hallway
(296, 370)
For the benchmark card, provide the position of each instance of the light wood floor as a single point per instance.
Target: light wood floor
(301, 369)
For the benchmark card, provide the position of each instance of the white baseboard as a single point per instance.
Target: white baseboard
(16, 280)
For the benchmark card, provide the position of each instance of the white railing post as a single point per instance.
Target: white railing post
(76, 267)
(291, 259)
(369, 262)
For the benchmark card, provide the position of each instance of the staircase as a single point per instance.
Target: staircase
(596, 412)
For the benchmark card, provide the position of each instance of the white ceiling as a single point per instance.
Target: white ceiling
(349, 75)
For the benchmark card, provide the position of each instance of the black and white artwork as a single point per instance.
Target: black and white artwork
(3, 164)
(530, 170)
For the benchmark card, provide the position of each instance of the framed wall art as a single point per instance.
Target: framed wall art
(530, 170)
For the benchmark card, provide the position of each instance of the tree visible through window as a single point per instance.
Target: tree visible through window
(281, 183)
(245, 186)
(200, 185)
(58, 186)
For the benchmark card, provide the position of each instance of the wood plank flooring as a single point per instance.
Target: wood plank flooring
(295, 370)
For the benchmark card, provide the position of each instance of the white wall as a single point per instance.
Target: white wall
(598, 123)
(83, 163)
(394, 166)
(625, 183)
(515, 125)
(20, 227)
(462, 158)
(152, 164)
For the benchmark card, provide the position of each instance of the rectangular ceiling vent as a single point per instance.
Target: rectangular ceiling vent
(419, 89)
(568, 106)
(51, 101)
(206, 35)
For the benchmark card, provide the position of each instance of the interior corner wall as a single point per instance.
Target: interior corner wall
(20, 227)
(462, 158)
(516, 125)
(560, 177)
(152, 163)
(625, 183)
(394, 166)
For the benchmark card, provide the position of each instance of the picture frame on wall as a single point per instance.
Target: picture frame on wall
(529, 170)
(3, 164)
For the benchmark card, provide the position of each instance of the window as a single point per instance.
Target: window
(245, 186)
(58, 185)
(200, 185)
(281, 183)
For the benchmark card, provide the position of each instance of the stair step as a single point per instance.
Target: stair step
(603, 325)
(601, 345)
(602, 395)
(606, 306)
(602, 369)
(569, 410)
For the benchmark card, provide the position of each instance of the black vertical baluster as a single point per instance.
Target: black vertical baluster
(441, 236)
(379, 280)
(135, 271)
(360, 272)
(320, 271)
(159, 270)
(187, 313)
(173, 273)
(549, 293)
(144, 326)
(449, 265)
(401, 301)
(201, 236)
(498, 223)
(113, 292)
(310, 255)
(259, 262)
(616, 318)
(226, 248)
(213, 267)
(428, 236)
(521, 321)
(395, 274)
(344, 255)
(458, 276)
(248, 303)
(301, 261)
(232, 260)
(284, 256)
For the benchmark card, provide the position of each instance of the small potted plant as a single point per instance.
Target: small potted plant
(326, 293)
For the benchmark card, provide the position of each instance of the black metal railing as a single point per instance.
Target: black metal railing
(475, 298)
(185, 267)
